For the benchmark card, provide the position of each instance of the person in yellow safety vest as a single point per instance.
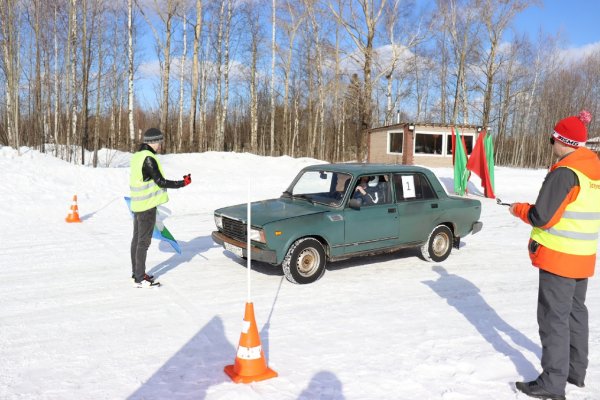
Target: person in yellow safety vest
(148, 190)
(563, 244)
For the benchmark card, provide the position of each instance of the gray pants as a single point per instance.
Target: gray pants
(143, 225)
(563, 324)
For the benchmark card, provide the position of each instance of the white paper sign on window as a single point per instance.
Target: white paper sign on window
(408, 186)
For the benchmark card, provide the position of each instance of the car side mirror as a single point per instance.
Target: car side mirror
(355, 204)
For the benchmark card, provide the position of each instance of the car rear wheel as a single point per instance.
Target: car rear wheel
(439, 245)
(305, 261)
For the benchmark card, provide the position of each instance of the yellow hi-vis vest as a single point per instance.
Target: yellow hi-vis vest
(577, 230)
(144, 195)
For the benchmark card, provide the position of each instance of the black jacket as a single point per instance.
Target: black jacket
(557, 185)
(150, 171)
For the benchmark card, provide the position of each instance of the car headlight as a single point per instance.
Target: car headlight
(258, 235)
(219, 221)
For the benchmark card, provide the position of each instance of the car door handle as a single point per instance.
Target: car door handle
(434, 205)
(391, 210)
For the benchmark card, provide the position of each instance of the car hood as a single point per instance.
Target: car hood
(267, 211)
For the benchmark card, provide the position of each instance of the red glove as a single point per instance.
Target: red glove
(187, 179)
(521, 210)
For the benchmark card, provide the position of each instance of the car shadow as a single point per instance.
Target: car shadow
(189, 250)
(466, 298)
(258, 266)
(373, 259)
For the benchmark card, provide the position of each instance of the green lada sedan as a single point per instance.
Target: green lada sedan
(332, 212)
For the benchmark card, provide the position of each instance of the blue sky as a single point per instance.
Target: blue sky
(577, 20)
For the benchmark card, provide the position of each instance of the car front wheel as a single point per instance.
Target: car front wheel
(305, 261)
(439, 245)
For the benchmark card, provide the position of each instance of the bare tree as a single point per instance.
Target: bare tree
(130, 69)
(361, 26)
(253, 22)
(164, 48)
(226, 70)
(9, 39)
(72, 94)
(181, 74)
(496, 17)
(291, 30)
(461, 25)
(273, 46)
(195, 67)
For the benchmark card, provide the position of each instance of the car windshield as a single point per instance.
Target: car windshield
(324, 187)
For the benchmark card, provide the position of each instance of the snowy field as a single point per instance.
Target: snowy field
(387, 327)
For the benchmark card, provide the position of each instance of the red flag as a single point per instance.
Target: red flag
(478, 164)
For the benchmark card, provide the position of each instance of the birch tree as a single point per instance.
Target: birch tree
(130, 69)
(361, 26)
(273, 46)
(10, 41)
(195, 68)
(164, 48)
(181, 74)
(496, 17)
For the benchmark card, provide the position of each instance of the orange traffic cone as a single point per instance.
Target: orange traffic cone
(250, 363)
(74, 214)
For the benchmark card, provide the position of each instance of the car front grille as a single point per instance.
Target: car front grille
(234, 229)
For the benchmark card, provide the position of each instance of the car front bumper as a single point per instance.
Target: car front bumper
(240, 249)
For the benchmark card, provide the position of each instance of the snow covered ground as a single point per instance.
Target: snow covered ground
(387, 327)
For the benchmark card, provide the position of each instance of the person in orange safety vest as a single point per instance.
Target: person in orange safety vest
(563, 244)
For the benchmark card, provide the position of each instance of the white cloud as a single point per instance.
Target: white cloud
(575, 54)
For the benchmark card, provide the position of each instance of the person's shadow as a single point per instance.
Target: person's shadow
(189, 250)
(465, 297)
(197, 366)
(324, 385)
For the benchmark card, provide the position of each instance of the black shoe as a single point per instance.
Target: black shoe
(149, 278)
(532, 389)
(575, 382)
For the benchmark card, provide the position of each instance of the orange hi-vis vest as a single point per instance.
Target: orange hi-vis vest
(568, 248)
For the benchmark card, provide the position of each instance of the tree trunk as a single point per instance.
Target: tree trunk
(194, 94)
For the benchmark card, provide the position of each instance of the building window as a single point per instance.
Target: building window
(395, 141)
(428, 143)
(468, 143)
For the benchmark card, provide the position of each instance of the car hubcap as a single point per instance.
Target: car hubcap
(440, 244)
(308, 262)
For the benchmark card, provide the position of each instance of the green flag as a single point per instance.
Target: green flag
(461, 174)
(489, 155)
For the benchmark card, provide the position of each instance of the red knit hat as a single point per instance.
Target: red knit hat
(572, 131)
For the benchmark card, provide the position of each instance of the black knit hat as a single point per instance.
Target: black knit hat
(153, 135)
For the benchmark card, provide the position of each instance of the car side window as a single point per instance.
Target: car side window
(410, 187)
(372, 190)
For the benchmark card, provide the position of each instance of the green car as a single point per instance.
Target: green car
(332, 212)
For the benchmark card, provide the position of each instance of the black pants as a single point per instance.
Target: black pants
(143, 225)
(563, 324)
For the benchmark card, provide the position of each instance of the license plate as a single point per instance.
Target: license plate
(234, 249)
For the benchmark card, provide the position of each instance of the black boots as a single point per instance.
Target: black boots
(532, 389)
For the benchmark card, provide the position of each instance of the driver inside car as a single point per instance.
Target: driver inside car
(366, 190)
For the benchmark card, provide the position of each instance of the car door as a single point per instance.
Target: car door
(373, 226)
(417, 205)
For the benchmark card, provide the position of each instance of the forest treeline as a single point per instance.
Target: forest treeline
(282, 77)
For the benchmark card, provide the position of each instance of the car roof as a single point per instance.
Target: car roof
(366, 168)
